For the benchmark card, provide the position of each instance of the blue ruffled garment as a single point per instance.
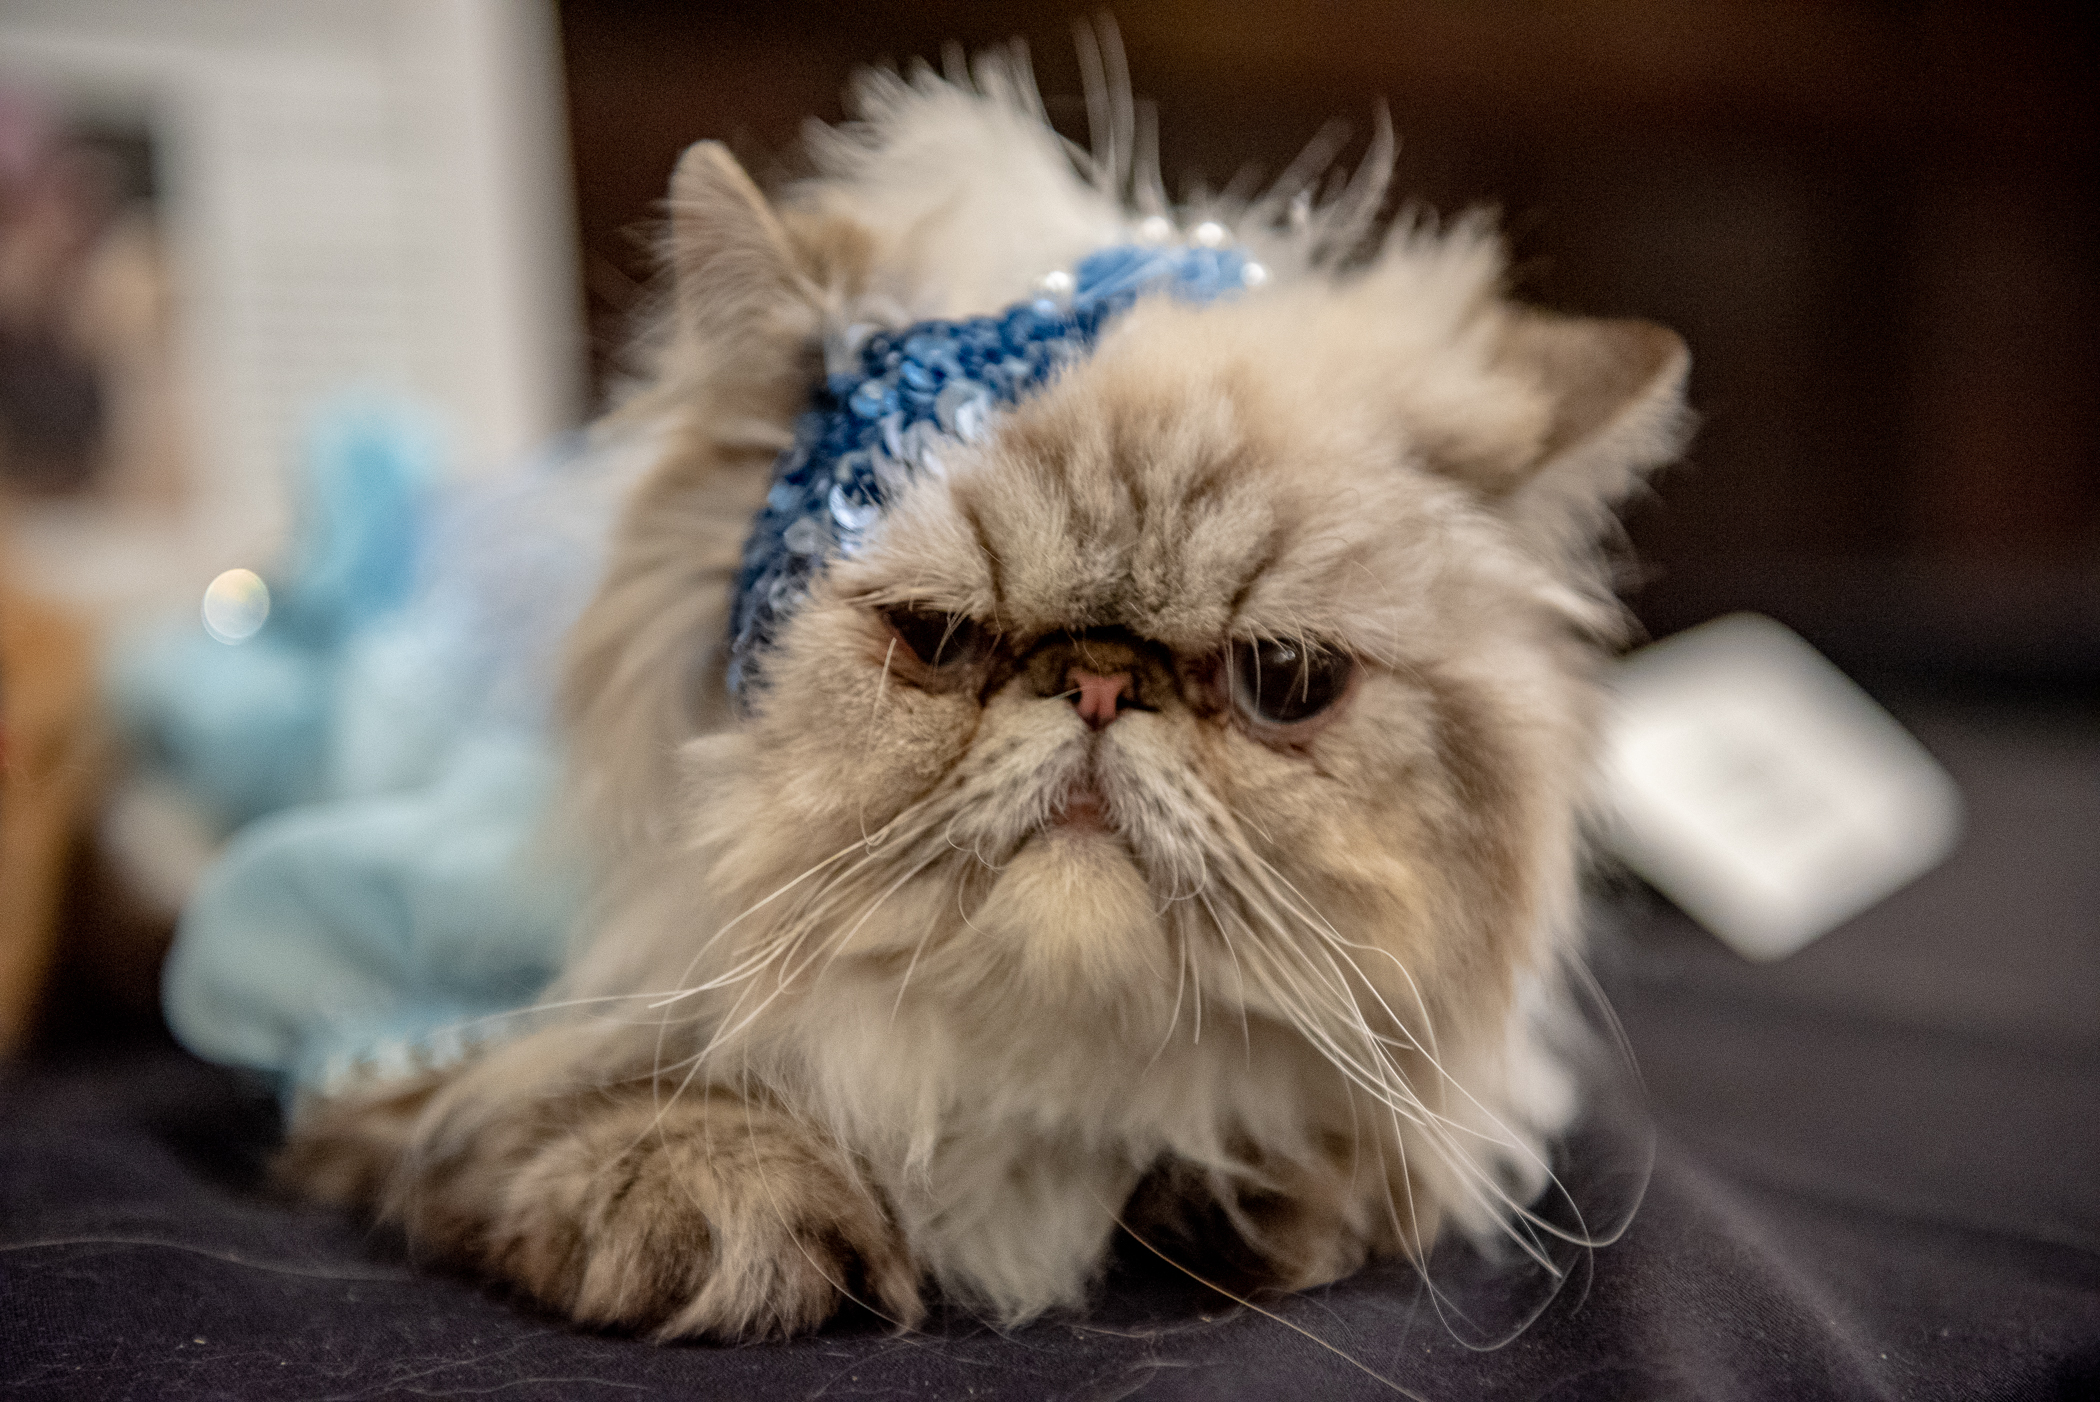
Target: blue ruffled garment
(396, 897)
(374, 933)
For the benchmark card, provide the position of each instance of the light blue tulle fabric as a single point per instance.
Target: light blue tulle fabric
(382, 750)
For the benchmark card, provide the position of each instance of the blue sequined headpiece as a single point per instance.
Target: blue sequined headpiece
(870, 431)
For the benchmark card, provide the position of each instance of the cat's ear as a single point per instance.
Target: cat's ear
(733, 266)
(1614, 396)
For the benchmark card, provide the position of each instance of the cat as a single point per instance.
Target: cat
(1159, 808)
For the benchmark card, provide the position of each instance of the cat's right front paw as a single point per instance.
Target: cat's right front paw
(710, 1217)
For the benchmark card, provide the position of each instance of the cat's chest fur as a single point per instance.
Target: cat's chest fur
(1010, 1141)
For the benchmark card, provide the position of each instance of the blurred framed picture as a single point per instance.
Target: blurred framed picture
(216, 217)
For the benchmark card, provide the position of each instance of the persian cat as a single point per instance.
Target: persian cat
(1131, 774)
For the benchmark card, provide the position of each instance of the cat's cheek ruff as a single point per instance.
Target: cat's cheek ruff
(841, 738)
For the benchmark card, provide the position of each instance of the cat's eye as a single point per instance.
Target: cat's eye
(1277, 682)
(940, 639)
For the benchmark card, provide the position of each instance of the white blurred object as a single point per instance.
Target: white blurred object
(365, 195)
(1761, 790)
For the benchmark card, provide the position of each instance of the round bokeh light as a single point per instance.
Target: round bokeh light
(235, 606)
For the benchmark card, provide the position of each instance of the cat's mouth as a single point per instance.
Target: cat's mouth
(1082, 809)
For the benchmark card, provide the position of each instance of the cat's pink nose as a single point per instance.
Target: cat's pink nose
(1098, 695)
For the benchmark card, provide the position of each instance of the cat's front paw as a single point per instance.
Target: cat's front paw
(710, 1217)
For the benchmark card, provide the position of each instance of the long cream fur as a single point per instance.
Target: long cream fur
(856, 1012)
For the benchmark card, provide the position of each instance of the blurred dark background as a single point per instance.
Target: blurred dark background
(1873, 223)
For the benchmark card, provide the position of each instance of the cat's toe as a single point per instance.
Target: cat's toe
(778, 1272)
(774, 1279)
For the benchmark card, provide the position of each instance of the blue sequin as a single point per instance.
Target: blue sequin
(869, 430)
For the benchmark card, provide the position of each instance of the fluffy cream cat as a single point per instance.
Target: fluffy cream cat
(1167, 811)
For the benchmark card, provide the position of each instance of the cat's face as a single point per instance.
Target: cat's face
(1200, 667)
